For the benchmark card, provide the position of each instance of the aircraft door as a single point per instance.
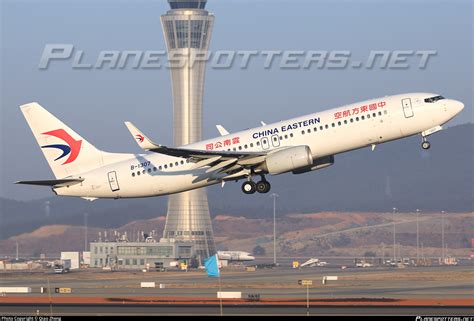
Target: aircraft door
(265, 143)
(275, 141)
(113, 182)
(407, 108)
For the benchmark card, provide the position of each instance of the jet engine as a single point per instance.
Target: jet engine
(318, 163)
(287, 160)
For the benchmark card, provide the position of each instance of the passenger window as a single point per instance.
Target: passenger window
(333, 125)
(326, 126)
(339, 123)
(352, 120)
(363, 117)
(138, 173)
(357, 118)
(133, 174)
(302, 132)
(321, 127)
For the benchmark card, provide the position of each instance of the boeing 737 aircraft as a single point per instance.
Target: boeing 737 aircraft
(297, 145)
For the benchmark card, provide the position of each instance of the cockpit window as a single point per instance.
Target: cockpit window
(433, 99)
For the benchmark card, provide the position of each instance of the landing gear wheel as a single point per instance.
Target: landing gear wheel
(263, 187)
(249, 187)
(425, 145)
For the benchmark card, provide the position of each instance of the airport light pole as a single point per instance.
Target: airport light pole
(85, 231)
(442, 236)
(47, 208)
(417, 235)
(274, 196)
(394, 210)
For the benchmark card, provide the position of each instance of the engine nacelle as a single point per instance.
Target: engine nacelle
(318, 163)
(287, 160)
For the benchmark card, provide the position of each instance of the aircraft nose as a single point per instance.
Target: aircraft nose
(456, 106)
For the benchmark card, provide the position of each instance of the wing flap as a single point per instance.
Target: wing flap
(221, 165)
(205, 162)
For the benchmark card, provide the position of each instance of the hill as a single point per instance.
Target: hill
(316, 234)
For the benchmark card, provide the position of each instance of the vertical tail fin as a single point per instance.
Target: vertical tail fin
(67, 152)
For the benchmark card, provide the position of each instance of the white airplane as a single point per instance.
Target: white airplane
(297, 145)
(235, 256)
(311, 262)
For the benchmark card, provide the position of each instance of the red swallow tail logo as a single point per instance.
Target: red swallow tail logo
(139, 138)
(72, 148)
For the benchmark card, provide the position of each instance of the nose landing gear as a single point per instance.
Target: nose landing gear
(425, 144)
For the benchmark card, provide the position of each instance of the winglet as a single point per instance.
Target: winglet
(142, 141)
(222, 130)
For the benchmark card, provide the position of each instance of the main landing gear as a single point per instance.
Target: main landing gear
(250, 187)
(425, 144)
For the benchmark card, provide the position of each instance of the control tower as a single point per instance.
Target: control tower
(187, 29)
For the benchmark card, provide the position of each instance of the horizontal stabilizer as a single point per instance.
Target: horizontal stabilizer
(53, 182)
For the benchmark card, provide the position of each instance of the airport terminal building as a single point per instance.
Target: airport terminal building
(139, 255)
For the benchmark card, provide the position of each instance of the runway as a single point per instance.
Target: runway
(242, 310)
(441, 290)
(420, 282)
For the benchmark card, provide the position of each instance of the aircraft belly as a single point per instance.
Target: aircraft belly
(174, 182)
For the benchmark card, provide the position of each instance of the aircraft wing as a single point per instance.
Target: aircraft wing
(142, 141)
(222, 130)
(231, 164)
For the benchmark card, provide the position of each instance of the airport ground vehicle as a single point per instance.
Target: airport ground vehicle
(62, 266)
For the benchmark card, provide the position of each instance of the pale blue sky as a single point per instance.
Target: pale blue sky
(96, 102)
